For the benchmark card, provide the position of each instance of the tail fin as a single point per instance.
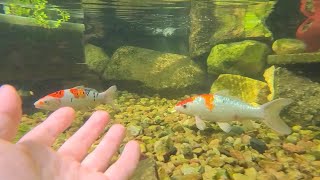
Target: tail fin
(271, 118)
(110, 94)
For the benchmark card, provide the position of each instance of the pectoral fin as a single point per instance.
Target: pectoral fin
(226, 127)
(200, 123)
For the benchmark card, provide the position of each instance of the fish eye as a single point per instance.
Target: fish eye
(184, 106)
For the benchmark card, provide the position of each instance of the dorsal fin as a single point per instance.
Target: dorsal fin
(91, 89)
(224, 92)
(77, 87)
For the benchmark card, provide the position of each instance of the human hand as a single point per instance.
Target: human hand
(31, 158)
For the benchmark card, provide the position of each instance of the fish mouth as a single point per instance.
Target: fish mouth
(36, 105)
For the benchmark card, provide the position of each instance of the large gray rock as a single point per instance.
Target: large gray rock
(305, 110)
(246, 58)
(240, 20)
(96, 58)
(301, 58)
(201, 28)
(288, 46)
(146, 70)
(215, 22)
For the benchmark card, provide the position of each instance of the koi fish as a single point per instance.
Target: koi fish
(78, 97)
(223, 109)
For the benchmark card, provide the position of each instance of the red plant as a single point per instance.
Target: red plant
(309, 30)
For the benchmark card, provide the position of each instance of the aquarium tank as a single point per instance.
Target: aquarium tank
(210, 89)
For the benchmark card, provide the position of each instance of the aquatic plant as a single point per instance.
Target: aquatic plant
(38, 9)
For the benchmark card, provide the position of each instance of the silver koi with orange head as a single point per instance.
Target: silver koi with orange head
(223, 109)
(78, 97)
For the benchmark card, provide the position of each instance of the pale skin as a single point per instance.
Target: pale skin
(32, 157)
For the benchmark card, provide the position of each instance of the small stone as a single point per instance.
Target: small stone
(178, 128)
(265, 176)
(251, 173)
(205, 147)
(164, 147)
(189, 123)
(163, 174)
(229, 140)
(229, 169)
(197, 151)
(146, 138)
(271, 165)
(214, 143)
(190, 169)
(188, 176)
(258, 145)
(237, 142)
(247, 156)
(134, 130)
(246, 139)
(273, 136)
(238, 176)
(143, 148)
(277, 174)
(213, 151)
(293, 138)
(222, 173)
(215, 161)
(229, 160)
(316, 152)
(146, 170)
(184, 149)
(293, 148)
(157, 119)
(236, 130)
(178, 159)
(209, 172)
(237, 169)
(306, 132)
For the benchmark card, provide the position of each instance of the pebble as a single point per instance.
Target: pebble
(258, 145)
(293, 148)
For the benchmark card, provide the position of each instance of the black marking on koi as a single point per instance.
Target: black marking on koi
(87, 91)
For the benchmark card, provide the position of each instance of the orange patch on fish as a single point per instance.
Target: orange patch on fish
(57, 94)
(185, 101)
(78, 93)
(41, 102)
(208, 98)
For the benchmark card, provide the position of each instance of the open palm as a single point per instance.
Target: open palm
(32, 157)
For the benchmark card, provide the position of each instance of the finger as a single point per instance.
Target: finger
(124, 167)
(48, 131)
(78, 144)
(10, 112)
(100, 158)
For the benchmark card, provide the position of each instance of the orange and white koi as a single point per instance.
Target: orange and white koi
(78, 97)
(223, 109)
